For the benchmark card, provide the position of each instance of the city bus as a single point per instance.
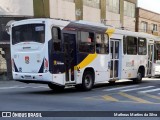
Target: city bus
(64, 53)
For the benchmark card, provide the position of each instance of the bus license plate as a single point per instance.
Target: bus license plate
(28, 76)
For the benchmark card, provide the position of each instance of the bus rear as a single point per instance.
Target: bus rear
(29, 51)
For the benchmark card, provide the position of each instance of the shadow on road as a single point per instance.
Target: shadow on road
(73, 90)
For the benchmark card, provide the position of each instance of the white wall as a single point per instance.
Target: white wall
(91, 14)
(62, 9)
(16, 7)
(129, 23)
(113, 19)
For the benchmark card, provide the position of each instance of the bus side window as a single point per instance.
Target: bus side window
(56, 37)
(131, 45)
(124, 45)
(106, 43)
(142, 46)
(102, 44)
(86, 43)
(99, 38)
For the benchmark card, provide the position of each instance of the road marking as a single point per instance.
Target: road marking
(136, 88)
(121, 88)
(153, 96)
(152, 90)
(22, 87)
(109, 98)
(40, 87)
(8, 87)
(134, 98)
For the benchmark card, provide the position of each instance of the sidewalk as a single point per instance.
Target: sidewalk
(4, 81)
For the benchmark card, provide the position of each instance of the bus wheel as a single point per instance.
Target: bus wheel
(87, 81)
(139, 77)
(55, 87)
(112, 82)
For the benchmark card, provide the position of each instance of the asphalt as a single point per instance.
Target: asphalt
(16, 96)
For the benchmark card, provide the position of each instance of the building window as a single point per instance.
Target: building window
(92, 3)
(154, 27)
(129, 9)
(69, 0)
(113, 6)
(144, 26)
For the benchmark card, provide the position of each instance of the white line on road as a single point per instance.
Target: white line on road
(8, 87)
(152, 90)
(22, 87)
(136, 88)
(40, 87)
(120, 88)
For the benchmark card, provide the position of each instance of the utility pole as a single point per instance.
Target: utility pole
(79, 9)
(122, 13)
(41, 8)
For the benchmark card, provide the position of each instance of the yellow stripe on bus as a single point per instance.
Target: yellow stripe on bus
(110, 31)
(86, 61)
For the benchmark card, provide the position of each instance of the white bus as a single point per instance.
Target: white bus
(63, 53)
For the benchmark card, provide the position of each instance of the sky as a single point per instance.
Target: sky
(152, 5)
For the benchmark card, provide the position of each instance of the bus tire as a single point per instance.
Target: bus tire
(87, 80)
(112, 82)
(139, 77)
(55, 87)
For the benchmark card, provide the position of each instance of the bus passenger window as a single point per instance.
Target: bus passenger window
(131, 45)
(124, 45)
(106, 43)
(98, 43)
(102, 44)
(87, 43)
(142, 46)
(56, 37)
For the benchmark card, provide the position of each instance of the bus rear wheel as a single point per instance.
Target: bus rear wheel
(139, 77)
(112, 82)
(55, 87)
(87, 81)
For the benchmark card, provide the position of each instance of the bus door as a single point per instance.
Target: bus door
(114, 64)
(150, 59)
(70, 55)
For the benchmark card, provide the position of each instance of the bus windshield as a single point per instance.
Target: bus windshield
(28, 33)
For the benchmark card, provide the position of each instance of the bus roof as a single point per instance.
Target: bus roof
(88, 26)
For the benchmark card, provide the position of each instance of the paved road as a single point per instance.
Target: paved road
(123, 96)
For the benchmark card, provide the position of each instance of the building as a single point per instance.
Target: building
(118, 13)
(148, 21)
(10, 10)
